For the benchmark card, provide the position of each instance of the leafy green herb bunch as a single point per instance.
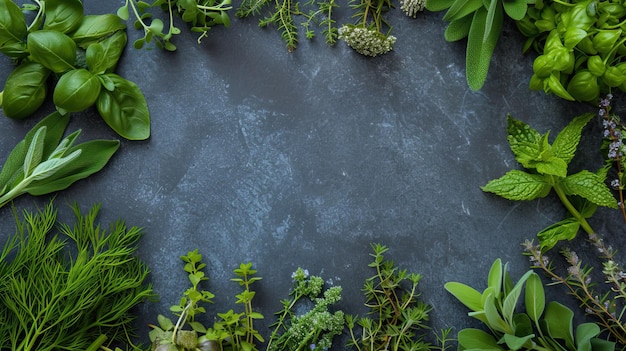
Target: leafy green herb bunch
(370, 35)
(396, 319)
(283, 15)
(79, 54)
(201, 15)
(66, 287)
(580, 46)
(539, 326)
(233, 331)
(480, 21)
(314, 329)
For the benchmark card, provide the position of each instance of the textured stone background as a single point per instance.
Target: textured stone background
(303, 159)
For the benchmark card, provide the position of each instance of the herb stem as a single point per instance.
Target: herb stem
(572, 210)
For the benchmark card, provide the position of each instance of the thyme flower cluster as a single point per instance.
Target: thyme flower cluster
(412, 7)
(366, 41)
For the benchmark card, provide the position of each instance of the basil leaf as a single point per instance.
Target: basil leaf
(13, 29)
(63, 15)
(125, 109)
(52, 49)
(96, 61)
(95, 27)
(25, 90)
(76, 90)
(93, 157)
(55, 124)
(113, 48)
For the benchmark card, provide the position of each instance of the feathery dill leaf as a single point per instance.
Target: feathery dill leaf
(69, 288)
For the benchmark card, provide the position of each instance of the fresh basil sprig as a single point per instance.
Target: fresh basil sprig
(547, 166)
(580, 45)
(81, 53)
(480, 21)
(43, 162)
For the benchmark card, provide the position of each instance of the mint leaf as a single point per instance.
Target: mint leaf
(563, 230)
(518, 185)
(590, 186)
(525, 142)
(566, 142)
(554, 166)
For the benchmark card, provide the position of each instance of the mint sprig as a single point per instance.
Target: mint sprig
(547, 170)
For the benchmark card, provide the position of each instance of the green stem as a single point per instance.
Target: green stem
(572, 210)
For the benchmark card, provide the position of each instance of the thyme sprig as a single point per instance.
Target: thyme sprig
(53, 297)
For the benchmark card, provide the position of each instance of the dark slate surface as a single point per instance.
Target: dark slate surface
(305, 158)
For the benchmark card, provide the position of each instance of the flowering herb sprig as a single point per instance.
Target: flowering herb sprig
(366, 36)
(313, 330)
(613, 132)
(607, 306)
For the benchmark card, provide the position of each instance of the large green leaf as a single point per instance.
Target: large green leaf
(438, 5)
(93, 157)
(563, 230)
(566, 142)
(516, 9)
(462, 8)
(510, 301)
(584, 334)
(25, 90)
(468, 296)
(519, 185)
(96, 27)
(476, 339)
(52, 49)
(590, 186)
(13, 29)
(480, 46)
(63, 15)
(559, 321)
(125, 109)
(458, 29)
(535, 298)
(494, 319)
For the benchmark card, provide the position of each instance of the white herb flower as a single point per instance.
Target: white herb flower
(412, 7)
(366, 41)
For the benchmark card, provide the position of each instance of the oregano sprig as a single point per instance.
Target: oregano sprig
(547, 166)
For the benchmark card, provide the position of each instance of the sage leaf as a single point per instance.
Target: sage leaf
(519, 185)
(476, 339)
(559, 321)
(53, 49)
(494, 278)
(566, 142)
(93, 156)
(515, 9)
(590, 186)
(494, 320)
(25, 90)
(584, 334)
(76, 90)
(510, 301)
(480, 46)
(438, 5)
(515, 342)
(467, 295)
(458, 29)
(462, 8)
(125, 109)
(94, 28)
(55, 125)
(563, 230)
(63, 15)
(51, 166)
(13, 29)
(534, 298)
(34, 154)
